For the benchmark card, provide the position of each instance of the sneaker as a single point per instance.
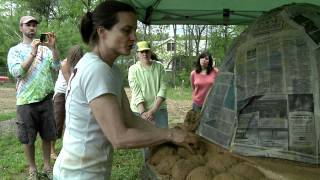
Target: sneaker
(46, 174)
(33, 175)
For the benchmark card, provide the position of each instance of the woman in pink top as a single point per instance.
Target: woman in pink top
(202, 78)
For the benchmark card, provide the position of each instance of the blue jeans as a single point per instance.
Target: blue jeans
(161, 118)
(196, 107)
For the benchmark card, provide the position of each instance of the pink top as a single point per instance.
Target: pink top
(201, 83)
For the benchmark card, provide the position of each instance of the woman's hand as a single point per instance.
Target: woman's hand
(149, 115)
(184, 139)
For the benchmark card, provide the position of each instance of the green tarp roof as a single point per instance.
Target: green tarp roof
(216, 12)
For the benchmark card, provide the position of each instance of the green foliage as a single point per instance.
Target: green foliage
(183, 67)
(42, 7)
(184, 77)
(63, 20)
(221, 38)
(124, 62)
(8, 36)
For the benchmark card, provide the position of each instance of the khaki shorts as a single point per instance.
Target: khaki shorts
(34, 118)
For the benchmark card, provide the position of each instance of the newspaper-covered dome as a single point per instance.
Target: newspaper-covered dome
(265, 100)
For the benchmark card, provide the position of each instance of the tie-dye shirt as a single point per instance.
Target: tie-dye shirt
(36, 83)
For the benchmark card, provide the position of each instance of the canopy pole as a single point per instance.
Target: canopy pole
(226, 16)
(149, 10)
(147, 19)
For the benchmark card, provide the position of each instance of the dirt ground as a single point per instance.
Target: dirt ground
(7, 99)
(176, 109)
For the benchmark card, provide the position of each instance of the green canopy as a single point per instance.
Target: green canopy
(215, 12)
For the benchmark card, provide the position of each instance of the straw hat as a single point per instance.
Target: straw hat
(142, 46)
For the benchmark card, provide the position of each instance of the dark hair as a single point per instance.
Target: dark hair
(210, 65)
(74, 55)
(154, 56)
(105, 15)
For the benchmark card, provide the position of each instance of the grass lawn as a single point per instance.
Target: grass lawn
(7, 116)
(126, 163)
(179, 94)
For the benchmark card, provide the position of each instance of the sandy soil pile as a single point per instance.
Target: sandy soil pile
(211, 162)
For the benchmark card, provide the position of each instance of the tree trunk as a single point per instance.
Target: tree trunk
(144, 35)
(174, 63)
(185, 34)
(198, 34)
(225, 39)
(149, 33)
(191, 37)
(206, 43)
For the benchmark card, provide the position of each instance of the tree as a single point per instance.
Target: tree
(63, 20)
(220, 39)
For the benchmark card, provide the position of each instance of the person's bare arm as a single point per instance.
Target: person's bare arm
(137, 122)
(27, 63)
(109, 116)
(130, 119)
(65, 69)
(131, 133)
(141, 108)
(192, 82)
(51, 44)
(29, 60)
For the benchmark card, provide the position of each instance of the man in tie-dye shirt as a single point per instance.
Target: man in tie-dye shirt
(30, 62)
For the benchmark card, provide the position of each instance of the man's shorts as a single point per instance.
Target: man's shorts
(59, 101)
(34, 118)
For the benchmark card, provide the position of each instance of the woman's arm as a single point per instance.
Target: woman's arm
(131, 133)
(192, 80)
(130, 119)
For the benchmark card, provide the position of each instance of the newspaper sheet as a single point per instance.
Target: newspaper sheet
(269, 105)
(221, 106)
